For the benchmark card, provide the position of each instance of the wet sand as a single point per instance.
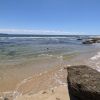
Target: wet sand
(49, 78)
(58, 93)
(12, 73)
(50, 85)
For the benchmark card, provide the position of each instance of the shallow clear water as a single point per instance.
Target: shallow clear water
(18, 50)
(13, 48)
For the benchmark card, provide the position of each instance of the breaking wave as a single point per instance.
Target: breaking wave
(95, 61)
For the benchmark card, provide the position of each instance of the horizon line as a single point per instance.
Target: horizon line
(41, 32)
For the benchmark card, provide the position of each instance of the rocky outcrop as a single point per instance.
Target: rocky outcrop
(91, 41)
(88, 42)
(83, 83)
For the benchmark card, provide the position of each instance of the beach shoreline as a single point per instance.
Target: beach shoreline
(51, 79)
(37, 67)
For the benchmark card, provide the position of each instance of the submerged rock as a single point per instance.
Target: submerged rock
(79, 39)
(83, 83)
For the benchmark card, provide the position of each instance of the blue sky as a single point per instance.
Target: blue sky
(50, 16)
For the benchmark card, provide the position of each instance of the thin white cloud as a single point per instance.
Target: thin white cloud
(49, 32)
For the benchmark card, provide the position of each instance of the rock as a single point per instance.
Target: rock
(98, 41)
(88, 42)
(79, 39)
(91, 41)
(58, 99)
(44, 92)
(6, 98)
(83, 83)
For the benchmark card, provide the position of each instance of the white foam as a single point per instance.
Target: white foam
(61, 70)
(95, 57)
(12, 94)
(60, 57)
(95, 61)
(58, 80)
(98, 67)
(48, 55)
(68, 65)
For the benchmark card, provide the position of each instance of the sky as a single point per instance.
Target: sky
(50, 16)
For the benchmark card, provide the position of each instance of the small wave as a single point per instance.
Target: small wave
(95, 61)
(60, 57)
(48, 55)
(97, 56)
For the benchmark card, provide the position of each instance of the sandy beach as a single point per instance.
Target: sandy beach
(50, 83)
(57, 93)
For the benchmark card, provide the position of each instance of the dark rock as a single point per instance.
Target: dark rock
(88, 42)
(6, 98)
(44, 92)
(98, 41)
(79, 39)
(58, 99)
(83, 83)
(91, 41)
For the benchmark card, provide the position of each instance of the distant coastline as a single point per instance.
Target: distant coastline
(38, 35)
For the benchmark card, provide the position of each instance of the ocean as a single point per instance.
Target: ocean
(25, 57)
